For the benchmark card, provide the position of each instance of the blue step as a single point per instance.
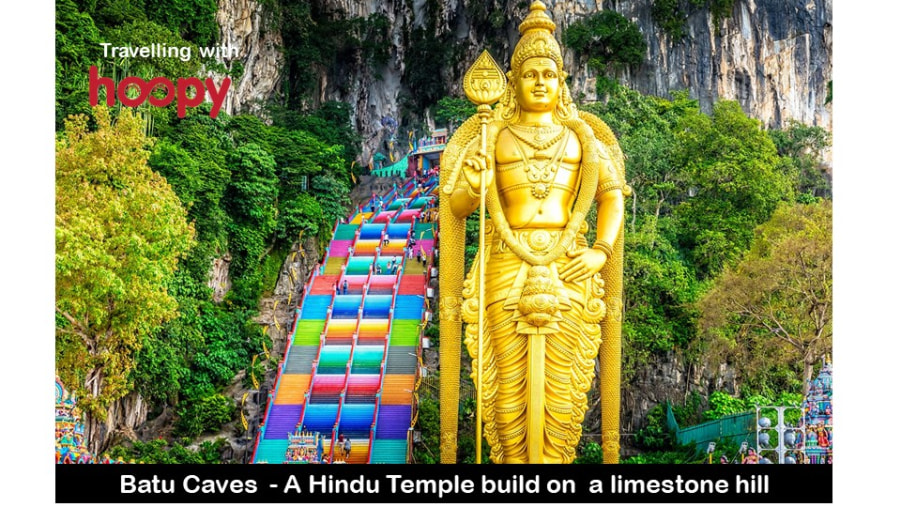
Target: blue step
(315, 307)
(271, 451)
(389, 451)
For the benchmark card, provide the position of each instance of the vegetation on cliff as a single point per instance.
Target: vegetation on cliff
(141, 318)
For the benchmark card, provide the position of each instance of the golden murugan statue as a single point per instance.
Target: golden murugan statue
(548, 302)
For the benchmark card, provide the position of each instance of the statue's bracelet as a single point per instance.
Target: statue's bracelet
(470, 193)
(604, 247)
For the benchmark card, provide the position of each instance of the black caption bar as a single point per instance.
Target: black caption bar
(444, 483)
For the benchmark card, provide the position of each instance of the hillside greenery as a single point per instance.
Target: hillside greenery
(232, 188)
(724, 215)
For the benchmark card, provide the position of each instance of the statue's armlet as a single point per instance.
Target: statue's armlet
(463, 200)
(608, 177)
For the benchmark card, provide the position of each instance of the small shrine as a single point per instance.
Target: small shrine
(817, 419)
(305, 447)
(71, 446)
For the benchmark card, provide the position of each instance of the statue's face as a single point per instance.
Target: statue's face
(537, 87)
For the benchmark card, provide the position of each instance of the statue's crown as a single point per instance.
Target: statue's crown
(537, 19)
(537, 38)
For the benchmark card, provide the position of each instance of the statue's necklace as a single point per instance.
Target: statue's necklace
(541, 176)
(539, 138)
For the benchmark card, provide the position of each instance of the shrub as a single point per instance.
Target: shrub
(206, 414)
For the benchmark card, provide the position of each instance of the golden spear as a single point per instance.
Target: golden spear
(484, 84)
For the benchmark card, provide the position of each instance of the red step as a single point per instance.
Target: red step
(323, 284)
(412, 285)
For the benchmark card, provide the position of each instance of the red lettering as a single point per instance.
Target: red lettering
(183, 100)
(170, 92)
(132, 82)
(95, 81)
(178, 92)
(217, 95)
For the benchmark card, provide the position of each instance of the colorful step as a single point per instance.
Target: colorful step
(271, 451)
(282, 419)
(291, 389)
(388, 451)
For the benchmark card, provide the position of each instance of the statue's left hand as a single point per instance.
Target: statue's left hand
(586, 264)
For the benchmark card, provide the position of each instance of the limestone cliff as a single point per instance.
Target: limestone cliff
(245, 25)
(772, 56)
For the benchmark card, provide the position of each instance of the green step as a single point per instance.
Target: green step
(405, 333)
(345, 231)
(308, 332)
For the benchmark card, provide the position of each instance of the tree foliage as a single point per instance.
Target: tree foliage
(671, 15)
(160, 451)
(424, 67)
(607, 38)
(77, 48)
(802, 148)
(736, 183)
(452, 111)
(194, 20)
(247, 189)
(610, 42)
(776, 305)
(701, 185)
(120, 230)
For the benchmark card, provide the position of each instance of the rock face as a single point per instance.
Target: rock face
(246, 26)
(772, 56)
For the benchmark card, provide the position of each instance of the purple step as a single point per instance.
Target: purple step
(282, 420)
(393, 421)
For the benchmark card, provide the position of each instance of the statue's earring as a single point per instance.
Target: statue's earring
(512, 107)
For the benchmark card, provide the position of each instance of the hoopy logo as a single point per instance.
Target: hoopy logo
(174, 91)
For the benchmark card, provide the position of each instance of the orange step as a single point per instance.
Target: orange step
(292, 388)
(397, 389)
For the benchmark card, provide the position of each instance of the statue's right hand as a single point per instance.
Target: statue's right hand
(474, 167)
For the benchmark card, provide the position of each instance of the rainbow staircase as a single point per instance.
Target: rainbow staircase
(352, 362)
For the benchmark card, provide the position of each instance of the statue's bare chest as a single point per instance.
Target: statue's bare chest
(537, 173)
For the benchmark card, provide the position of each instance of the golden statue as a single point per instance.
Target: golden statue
(547, 301)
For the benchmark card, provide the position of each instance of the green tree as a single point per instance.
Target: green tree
(671, 15)
(77, 48)
(194, 20)
(251, 200)
(659, 302)
(424, 67)
(776, 305)
(736, 182)
(607, 38)
(120, 230)
(452, 111)
(646, 127)
(113, 12)
(802, 147)
(159, 451)
(429, 423)
(610, 42)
